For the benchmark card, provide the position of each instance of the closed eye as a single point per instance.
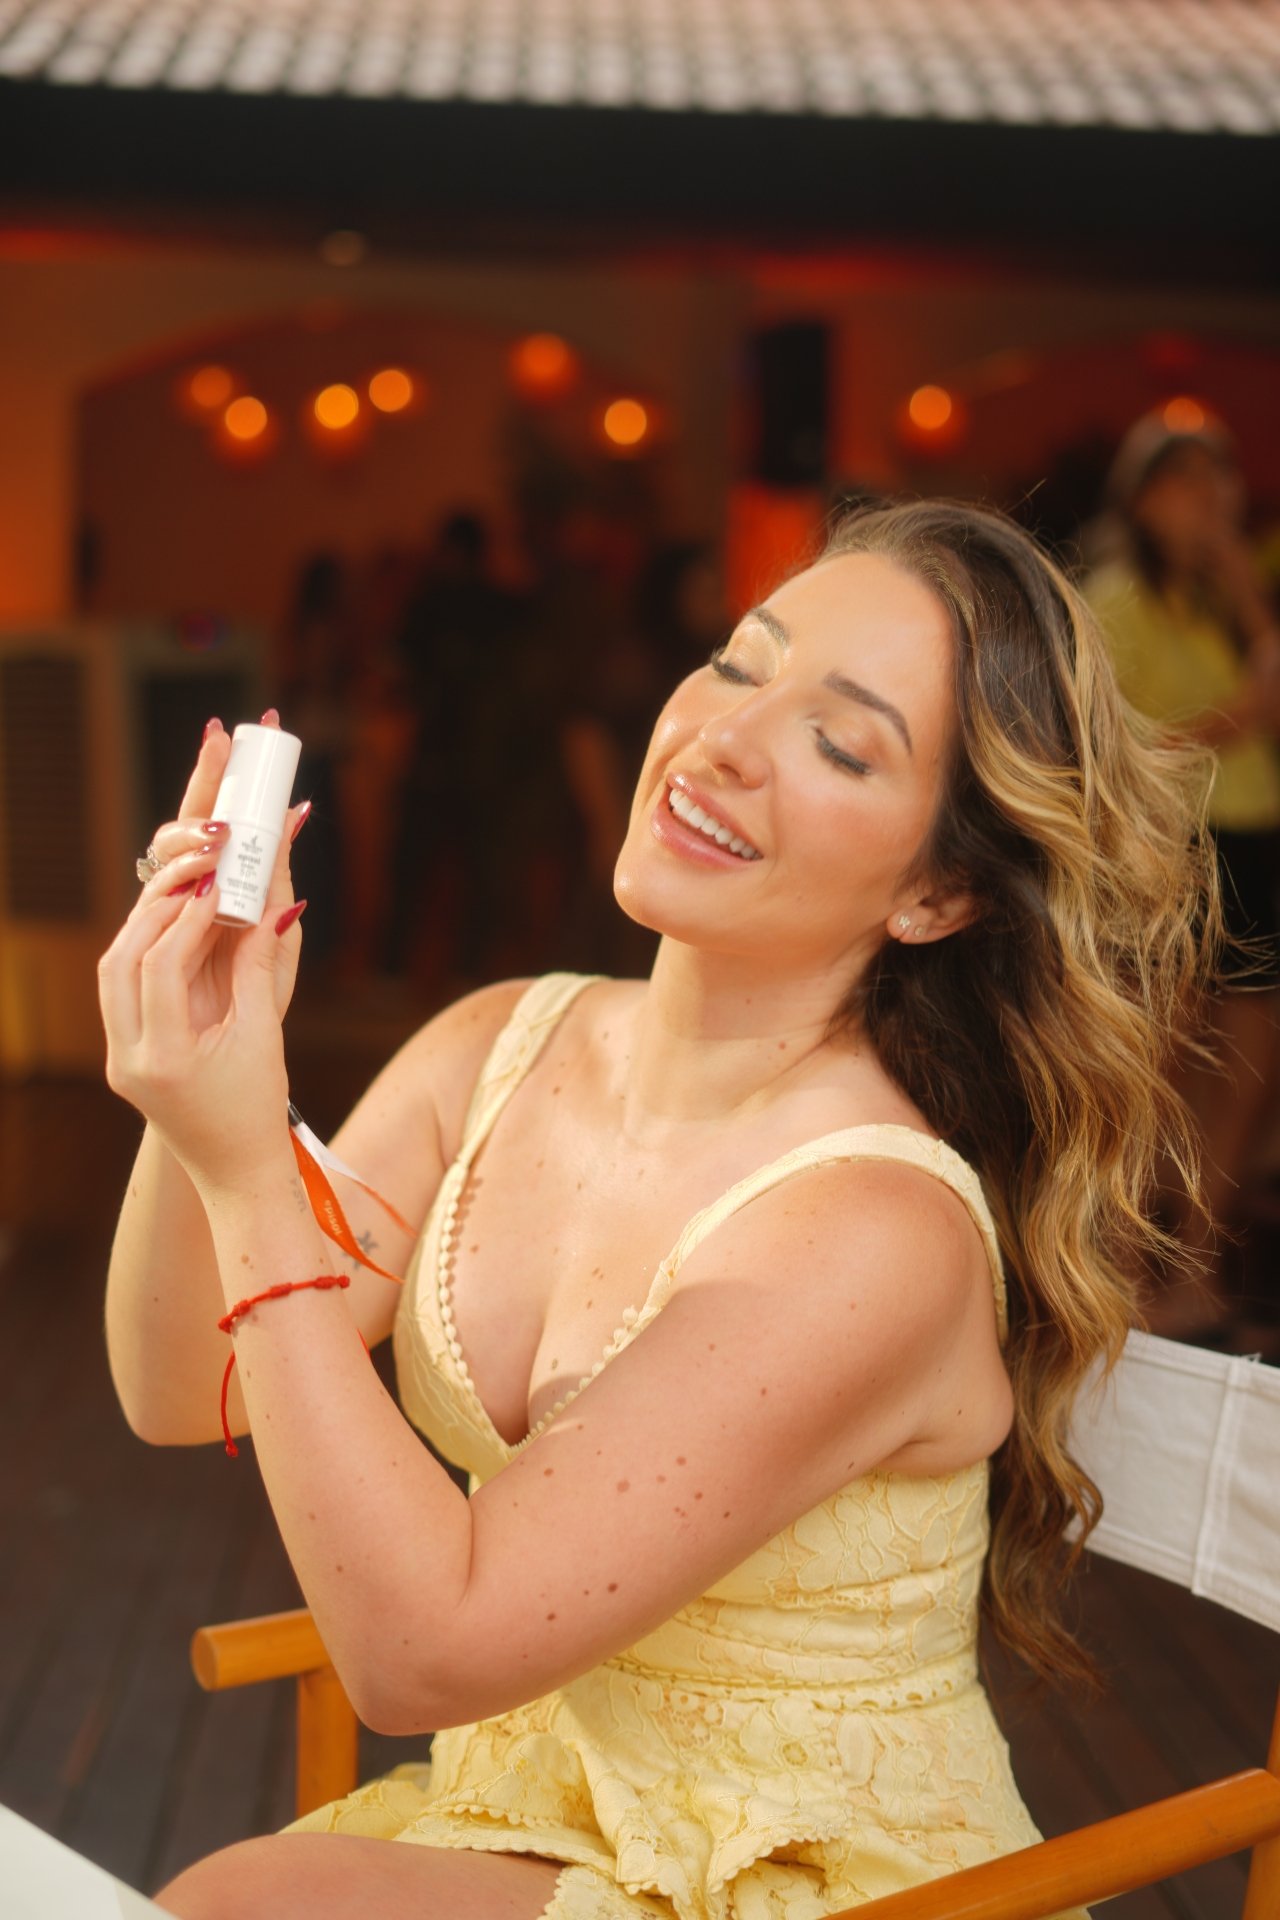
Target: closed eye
(848, 761)
(727, 671)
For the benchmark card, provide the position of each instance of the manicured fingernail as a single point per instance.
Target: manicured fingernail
(211, 726)
(205, 885)
(184, 888)
(270, 718)
(214, 826)
(289, 915)
(304, 814)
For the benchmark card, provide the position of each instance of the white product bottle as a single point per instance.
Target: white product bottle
(253, 800)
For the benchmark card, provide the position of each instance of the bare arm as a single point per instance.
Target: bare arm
(834, 1329)
(164, 1292)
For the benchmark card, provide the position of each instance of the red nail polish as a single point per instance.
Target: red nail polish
(271, 718)
(205, 886)
(211, 726)
(214, 826)
(184, 888)
(289, 915)
(300, 822)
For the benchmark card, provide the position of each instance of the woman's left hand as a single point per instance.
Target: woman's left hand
(217, 1097)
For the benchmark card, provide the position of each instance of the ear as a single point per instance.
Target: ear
(931, 916)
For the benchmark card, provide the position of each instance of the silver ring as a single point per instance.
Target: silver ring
(147, 864)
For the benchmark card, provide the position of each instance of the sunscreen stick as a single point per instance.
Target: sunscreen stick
(253, 800)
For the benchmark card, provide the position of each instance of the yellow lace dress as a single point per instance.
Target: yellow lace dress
(809, 1734)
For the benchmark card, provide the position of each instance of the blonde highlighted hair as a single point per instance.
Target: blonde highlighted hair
(1037, 1040)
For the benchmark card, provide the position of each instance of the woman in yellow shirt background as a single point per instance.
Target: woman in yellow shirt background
(1196, 645)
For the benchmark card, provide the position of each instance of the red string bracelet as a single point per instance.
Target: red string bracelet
(321, 1283)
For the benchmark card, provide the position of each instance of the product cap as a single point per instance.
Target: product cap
(259, 776)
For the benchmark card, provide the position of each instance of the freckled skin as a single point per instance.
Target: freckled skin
(613, 1586)
(547, 1472)
(624, 1486)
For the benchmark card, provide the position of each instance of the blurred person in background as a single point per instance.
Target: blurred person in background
(661, 628)
(314, 670)
(382, 733)
(1196, 647)
(457, 645)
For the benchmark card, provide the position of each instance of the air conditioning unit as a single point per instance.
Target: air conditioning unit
(99, 726)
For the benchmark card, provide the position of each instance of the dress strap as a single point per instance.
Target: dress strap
(535, 1017)
(873, 1142)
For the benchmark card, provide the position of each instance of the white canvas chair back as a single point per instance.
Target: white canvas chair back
(1185, 1447)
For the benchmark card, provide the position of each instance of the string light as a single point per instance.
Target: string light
(1182, 414)
(210, 388)
(625, 423)
(246, 419)
(543, 366)
(930, 408)
(336, 407)
(391, 390)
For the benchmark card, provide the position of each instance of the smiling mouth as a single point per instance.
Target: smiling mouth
(706, 823)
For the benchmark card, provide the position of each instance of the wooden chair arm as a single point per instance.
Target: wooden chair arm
(279, 1646)
(274, 1646)
(1097, 1862)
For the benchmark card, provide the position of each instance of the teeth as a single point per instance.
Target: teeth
(695, 816)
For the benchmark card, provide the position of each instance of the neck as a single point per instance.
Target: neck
(716, 1034)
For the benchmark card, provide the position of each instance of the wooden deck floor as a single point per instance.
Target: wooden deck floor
(111, 1552)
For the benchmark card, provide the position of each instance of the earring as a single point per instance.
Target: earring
(919, 933)
(904, 921)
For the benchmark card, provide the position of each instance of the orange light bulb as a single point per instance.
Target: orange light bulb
(391, 390)
(246, 418)
(336, 407)
(930, 408)
(544, 366)
(1184, 415)
(625, 423)
(210, 388)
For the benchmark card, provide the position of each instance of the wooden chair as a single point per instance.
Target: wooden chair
(1185, 1445)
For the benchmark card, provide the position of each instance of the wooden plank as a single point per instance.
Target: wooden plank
(141, 1741)
(235, 1773)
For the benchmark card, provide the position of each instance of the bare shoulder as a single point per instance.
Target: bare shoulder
(882, 1250)
(825, 1216)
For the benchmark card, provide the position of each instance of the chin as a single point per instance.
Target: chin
(644, 898)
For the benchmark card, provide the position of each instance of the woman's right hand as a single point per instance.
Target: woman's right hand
(188, 849)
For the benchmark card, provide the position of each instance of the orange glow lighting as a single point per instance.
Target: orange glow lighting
(336, 407)
(544, 366)
(391, 390)
(625, 422)
(1184, 415)
(246, 418)
(930, 408)
(210, 388)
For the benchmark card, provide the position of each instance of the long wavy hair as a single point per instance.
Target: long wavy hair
(1037, 1040)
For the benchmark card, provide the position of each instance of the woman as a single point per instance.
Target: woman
(1196, 647)
(703, 1300)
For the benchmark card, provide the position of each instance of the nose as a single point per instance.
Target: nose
(733, 743)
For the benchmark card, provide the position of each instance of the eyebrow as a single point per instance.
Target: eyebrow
(837, 682)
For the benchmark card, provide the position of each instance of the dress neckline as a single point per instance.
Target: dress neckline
(924, 1148)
